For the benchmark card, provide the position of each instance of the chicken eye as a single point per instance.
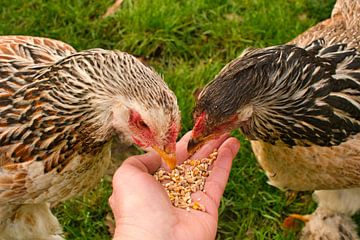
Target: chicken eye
(142, 124)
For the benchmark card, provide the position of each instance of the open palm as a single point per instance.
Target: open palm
(142, 208)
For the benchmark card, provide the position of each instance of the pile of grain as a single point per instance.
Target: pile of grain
(185, 179)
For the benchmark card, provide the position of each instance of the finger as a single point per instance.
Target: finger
(181, 150)
(209, 147)
(216, 182)
(182, 153)
(148, 162)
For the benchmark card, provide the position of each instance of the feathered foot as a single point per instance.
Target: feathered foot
(326, 224)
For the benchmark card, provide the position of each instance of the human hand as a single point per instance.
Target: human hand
(142, 209)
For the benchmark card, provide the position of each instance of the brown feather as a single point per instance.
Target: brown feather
(57, 123)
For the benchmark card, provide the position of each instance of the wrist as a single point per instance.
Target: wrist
(137, 233)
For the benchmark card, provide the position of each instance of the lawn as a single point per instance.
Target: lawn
(188, 42)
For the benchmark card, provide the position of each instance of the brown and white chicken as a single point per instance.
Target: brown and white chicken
(59, 110)
(299, 104)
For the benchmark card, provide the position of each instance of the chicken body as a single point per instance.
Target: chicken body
(337, 167)
(300, 107)
(308, 168)
(59, 110)
(314, 167)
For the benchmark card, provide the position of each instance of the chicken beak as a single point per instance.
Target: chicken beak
(195, 143)
(168, 156)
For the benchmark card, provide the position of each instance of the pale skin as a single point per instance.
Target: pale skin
(142, 209)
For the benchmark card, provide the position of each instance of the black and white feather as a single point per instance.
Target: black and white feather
(300, 96)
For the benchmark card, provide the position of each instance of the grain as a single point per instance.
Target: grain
(186, 179)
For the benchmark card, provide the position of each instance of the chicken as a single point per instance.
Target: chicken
(299, 104)
(59, 112)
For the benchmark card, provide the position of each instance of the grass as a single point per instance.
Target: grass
(188, 42)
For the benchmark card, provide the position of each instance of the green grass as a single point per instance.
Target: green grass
(188, 42)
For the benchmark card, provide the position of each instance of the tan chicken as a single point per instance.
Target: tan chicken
(59, 110)
(300, 107)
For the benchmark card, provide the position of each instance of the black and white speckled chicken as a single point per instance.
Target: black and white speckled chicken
(58, 112)
(300, 107)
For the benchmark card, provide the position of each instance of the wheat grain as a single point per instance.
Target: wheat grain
(186, 179)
